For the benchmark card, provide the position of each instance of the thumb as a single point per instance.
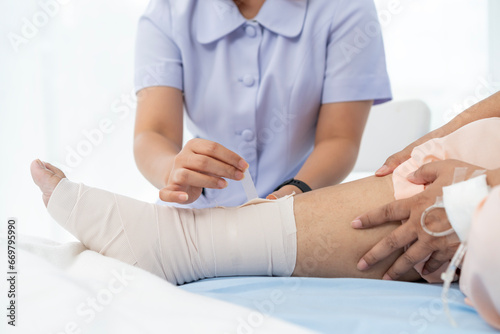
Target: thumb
(426, 174)
(172, 196)
(392, 162)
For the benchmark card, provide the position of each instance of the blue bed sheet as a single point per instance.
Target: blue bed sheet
(346, 305)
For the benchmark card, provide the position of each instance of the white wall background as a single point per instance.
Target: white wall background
(76, 72)
(494, 38)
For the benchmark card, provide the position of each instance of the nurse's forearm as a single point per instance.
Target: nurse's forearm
(158, 132)
(154, 156)
(486, 108)
(338, 136)
(329, 163)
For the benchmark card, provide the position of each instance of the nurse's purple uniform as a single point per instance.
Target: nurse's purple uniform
(256, 86)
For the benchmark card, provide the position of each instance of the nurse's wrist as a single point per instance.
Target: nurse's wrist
(299, 185)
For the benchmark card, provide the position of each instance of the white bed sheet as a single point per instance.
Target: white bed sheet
(64, 288)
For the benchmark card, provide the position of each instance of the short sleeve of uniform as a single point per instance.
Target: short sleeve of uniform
(157, 58)
(355, 66)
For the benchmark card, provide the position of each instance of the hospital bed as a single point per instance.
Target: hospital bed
(64, 288)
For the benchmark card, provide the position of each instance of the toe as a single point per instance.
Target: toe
(45, 178)
(37, 171)
(54, 169)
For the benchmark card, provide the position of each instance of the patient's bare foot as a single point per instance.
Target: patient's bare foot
(46, 177)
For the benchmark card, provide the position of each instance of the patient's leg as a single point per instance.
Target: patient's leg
(180, 245)
(186, 245)
(327, 246)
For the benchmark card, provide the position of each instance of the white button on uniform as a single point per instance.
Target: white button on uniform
(248, 135)
(250, 31)
(248, 80)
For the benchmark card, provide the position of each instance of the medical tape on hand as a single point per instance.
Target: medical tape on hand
(249, 186)
(459, 175)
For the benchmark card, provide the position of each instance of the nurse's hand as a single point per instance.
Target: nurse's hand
(284, 191)
(435, 175)
(398, 158)
(201, 164)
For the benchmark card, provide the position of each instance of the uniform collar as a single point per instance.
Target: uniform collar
(283, 17)
(217, 18)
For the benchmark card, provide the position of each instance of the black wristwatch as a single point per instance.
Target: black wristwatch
(299, 184)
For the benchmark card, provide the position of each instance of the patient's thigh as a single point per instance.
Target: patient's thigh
(327, 245)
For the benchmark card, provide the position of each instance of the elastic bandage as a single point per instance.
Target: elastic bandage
(180, 245)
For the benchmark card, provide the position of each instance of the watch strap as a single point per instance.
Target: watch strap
(299, 184)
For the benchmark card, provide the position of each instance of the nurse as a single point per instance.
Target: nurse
(281, 87)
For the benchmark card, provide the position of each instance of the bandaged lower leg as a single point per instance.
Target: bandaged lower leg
(180, 245)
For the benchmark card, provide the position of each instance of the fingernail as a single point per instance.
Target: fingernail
(243, 164)
(387, 278)
(183, 197)
(238, 175)
(222, 184)
(356, 223)
(425, 272)
(271, 197)
(362, 265)
(382, 170)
